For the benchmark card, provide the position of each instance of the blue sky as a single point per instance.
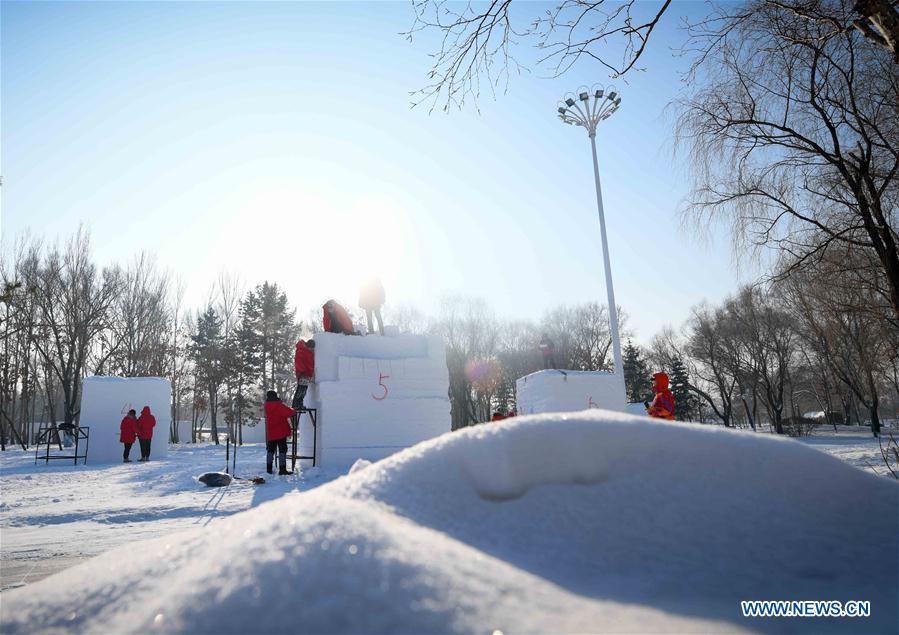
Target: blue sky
(276, 141)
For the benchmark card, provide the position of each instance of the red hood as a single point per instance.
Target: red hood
(660, 382)
(146, 410)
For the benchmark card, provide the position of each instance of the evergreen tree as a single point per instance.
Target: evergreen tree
(269, 333)
(636, 375)
(684, 400)
(210, 361)
(245, 359)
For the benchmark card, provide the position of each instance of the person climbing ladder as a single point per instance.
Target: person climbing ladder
(304, 365)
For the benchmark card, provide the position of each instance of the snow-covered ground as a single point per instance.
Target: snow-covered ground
(591, 521)
(853, 444)
(55, 516)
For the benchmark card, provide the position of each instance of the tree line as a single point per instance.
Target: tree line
(819, 338)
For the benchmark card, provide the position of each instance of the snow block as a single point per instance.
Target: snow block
(375, 395)
(568, 391)
(105, 400)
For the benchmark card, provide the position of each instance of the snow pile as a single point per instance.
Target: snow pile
(569, 391)
(375, 396)
(106, 400)
(596, 521)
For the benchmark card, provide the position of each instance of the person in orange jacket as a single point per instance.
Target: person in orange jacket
(304, 366)
(277, 429)
(662, 406)
(144, 428)
(335, 319)
(128, 433)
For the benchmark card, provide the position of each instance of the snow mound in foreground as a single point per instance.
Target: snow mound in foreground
(579, 522)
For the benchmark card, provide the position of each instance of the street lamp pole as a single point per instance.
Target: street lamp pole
(587, 109)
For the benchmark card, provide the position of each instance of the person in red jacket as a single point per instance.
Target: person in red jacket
(662, 407)
(277, 429)
(128, 432)
(304, 365)
(335, 319)
(144, 428)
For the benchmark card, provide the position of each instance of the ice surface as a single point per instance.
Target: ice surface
(375, 395)
(105, 400)
(569, 391)
(582, 522)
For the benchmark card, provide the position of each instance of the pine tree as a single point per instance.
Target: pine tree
(270, 331)
(245, 361)
(636, 375)
(210, 360)
(684, 400)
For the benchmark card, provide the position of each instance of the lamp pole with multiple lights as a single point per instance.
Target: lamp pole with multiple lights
(587, 109)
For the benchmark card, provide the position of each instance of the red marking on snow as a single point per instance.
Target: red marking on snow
(591, 403)
(381, 378)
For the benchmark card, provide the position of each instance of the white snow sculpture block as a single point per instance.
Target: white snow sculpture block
(105, 400)
(375, 395)
(568, 391)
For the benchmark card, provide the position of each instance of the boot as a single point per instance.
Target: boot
(282, 465)
(283, 471)
(268, 468)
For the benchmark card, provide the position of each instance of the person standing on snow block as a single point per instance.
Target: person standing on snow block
(548, 350)
(128, 433)
(335, 319)
(144, 428)
(662, 406)
(304, 365)
(371, 299)
(277, 429)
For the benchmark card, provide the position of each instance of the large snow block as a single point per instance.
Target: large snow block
(105, 400)
(375, 395)
(569, 391)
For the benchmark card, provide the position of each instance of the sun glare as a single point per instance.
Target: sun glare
(319, 247)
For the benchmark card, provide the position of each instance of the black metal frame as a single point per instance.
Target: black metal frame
(45, 435)
(313, 415)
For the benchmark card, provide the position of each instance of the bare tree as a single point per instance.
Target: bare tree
(72, 301)
(477, 41)
(794, 132)
(135, 343)
(834, 318)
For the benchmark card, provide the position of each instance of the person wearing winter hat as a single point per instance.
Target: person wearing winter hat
(662, 406)
(277, 429)
(128, 433)
(144, 428)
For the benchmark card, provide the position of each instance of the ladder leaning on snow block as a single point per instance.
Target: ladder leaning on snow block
(50, 434)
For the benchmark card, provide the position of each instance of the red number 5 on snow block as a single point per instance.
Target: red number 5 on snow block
(591, 403)
(381, 378)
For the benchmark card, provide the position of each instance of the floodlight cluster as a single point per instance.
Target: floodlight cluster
(588, 107)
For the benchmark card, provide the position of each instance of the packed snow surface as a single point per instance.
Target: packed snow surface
(106, 400)
(375, 395)
(591, 521)
(570, 391)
